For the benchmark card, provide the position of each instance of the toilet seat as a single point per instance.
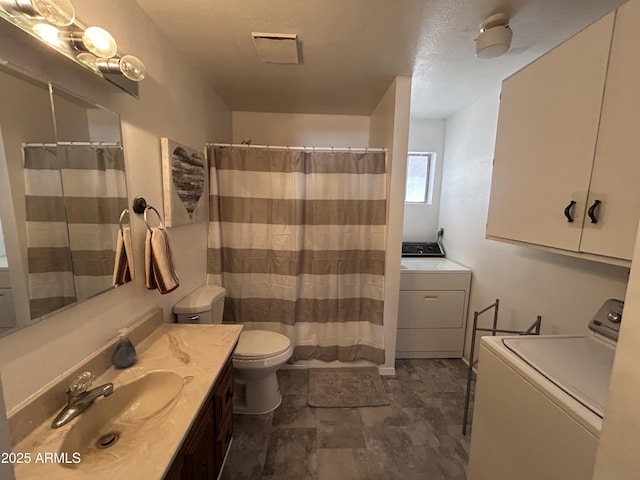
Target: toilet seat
(260, 344)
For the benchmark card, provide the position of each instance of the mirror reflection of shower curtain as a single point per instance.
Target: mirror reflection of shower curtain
(95, 194)
(297, 238)
(74, 196)
(49, 262)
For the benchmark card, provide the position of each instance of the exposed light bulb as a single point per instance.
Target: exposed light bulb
(57, 12)
(132, 68)
(97, 41)
(89, 59)
(48, 33)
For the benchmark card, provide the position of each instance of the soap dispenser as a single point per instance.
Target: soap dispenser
(125, 353)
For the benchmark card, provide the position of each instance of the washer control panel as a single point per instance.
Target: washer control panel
(606, 321)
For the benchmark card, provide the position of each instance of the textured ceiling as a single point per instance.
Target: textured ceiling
(352, 49)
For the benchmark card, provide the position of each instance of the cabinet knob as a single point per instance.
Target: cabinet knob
(567, 211)
(592, 211)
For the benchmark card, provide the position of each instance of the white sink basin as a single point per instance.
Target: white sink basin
(109, 427)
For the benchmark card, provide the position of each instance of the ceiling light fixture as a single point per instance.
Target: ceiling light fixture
(57, 12)
(495, 36)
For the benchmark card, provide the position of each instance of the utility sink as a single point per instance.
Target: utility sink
(112, 423)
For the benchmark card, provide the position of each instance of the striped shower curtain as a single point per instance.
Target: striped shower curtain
(297, 238)
(74, 197)
(48, 254)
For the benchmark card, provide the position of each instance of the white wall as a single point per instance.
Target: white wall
(421, 219)
(299, 130)
(566, 291)
(174, 102)
(390, 130)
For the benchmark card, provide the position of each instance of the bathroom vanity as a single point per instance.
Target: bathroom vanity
(170, 415)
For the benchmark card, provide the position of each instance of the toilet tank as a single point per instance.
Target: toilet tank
(204, 305)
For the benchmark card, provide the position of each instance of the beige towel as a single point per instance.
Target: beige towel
(123, 267)
(159, 269)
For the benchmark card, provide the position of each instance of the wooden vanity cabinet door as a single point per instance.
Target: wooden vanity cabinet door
(223, 440)
(223, 393)
(203, 451)
(176, 471)
(199, 455)
(223, 408)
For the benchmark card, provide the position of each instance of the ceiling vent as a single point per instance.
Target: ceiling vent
(276, 47)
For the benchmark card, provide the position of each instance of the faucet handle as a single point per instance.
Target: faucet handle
(80, 383)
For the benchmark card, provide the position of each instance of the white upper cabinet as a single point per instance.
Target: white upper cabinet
(547, 129)
(616, 169)
(568, 137)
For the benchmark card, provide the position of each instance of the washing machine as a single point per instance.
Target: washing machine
(540, 401)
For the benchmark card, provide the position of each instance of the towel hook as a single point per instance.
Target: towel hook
(149, 207)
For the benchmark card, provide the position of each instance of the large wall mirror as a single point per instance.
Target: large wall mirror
(64, 221)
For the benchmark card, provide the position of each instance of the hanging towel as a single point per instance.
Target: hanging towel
(159, 270)
(123, 267)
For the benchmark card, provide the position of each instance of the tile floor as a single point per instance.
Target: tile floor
(418, 436)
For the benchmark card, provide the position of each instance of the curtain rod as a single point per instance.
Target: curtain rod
(286, 147)
(79, 144)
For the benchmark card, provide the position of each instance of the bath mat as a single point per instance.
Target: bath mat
(346, 387)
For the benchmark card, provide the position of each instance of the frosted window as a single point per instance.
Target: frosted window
(418, 168)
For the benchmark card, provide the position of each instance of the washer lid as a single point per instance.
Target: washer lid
(260, 343)
(581, 366)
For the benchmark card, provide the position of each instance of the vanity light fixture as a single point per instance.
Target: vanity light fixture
(129, 65)
(495, 36)
(57, 12)
(54, 22)
(95, 40)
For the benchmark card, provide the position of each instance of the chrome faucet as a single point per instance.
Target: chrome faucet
(79, 398)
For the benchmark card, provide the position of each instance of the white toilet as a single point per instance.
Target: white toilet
(256, 359)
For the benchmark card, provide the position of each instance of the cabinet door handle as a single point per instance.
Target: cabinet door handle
(592, 211)
(229, 395)
(567, 211)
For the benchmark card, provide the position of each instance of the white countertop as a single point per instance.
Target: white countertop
(430, 264)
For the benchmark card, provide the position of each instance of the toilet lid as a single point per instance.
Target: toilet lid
(260, 343)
